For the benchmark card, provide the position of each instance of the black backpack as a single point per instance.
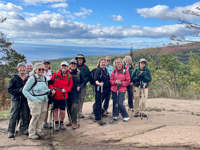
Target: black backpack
(91, 76)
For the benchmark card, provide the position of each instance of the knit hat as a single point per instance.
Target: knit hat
(73, 61)
(29, 64)
(21, 64)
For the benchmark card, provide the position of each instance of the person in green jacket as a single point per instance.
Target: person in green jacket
(140, 76)
(85, 72)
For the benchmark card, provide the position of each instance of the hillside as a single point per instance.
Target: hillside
(91, 61)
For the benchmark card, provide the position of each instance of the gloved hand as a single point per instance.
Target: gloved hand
(141, 76)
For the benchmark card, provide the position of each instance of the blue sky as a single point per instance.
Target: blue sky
(101, 24)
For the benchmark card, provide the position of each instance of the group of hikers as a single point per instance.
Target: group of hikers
(34, 88)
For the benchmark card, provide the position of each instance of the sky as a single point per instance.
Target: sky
(60, 28)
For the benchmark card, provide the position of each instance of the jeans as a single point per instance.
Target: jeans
(130, 96)
(120, 108)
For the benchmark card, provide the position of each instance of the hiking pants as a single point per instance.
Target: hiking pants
(121, 108)
(137, 102)
(130, 96)
(106, 102)
(38, 113)
(73, 110)
(14, 114)
(99, 98)
(81, 100)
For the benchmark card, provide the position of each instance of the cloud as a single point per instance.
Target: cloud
(63, 11)
(29, 14)
(12, 15)
(58, 5)
(165, 13)
(70, 16)
(48, 27)
(10, 7)
(35, 2)
(117, 18)
(83, 13)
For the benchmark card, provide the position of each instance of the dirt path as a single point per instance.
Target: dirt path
(172, 124)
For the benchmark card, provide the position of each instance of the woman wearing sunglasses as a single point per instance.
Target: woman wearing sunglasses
(36, 91)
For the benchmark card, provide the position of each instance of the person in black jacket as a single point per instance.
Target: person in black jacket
(102, 79)
(78, 84)
(127, 65)
(17, 104)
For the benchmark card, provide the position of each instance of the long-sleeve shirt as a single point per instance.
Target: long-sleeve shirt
(39, 89)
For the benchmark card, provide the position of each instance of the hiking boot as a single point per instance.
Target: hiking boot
(25, 132)
(74, 125)
(62, 127)
(69, 124)
(136, 114)
(46, 125)
(105, 112)
(126, 119)
(144, 115)
(33, 137)
(57, 127)
(101, 122)
(41, 134)
(10, 134)
(115, 118)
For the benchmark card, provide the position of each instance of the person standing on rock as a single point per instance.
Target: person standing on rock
(119, 80)
(109, 69)
(140, 75)
(128, 66)
(36, 91)
(29, 68)
(72, 102)
(102, 80)
(47, 73)
(62, 83)
(85, 72)
(17, 104)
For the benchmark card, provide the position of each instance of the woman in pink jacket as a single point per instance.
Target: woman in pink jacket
(119, 80)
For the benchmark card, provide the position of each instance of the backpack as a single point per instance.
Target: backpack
(124, 72)
(69, 75)
(91, 76)
(34, 84)
(78, 75)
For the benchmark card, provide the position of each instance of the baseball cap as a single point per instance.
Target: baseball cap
(64, 63)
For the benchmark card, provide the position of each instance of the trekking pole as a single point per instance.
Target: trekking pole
(17, 122)
(117, 104)
(50, 118)
(70, 119)
(101, 101)
(78, 116)
(140, 100)
(144, 84)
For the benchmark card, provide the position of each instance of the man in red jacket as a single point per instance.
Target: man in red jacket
(62, 83)
(119, 78)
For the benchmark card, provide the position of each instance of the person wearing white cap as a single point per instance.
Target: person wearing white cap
(62, 82)
(140, 77)
(47, 73)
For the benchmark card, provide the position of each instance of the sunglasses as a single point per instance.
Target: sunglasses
(41, 69)
(73, 64)
(108, 60)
